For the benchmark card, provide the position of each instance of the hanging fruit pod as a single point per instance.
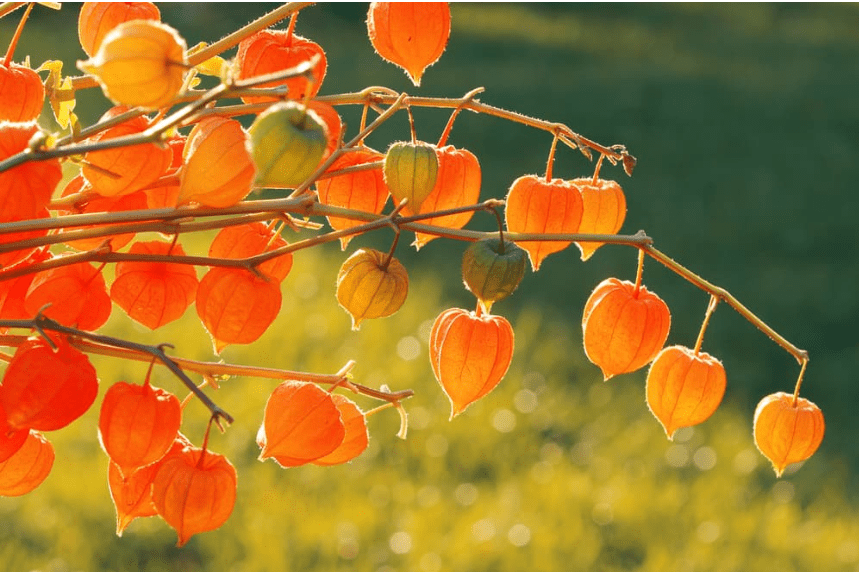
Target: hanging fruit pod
(124, 170)
(132, 495)
(356, 438)
(194, 491)
(77, 295)
(333, 124)
(787, 430)
(154, 293)
(469, 354)
(624, 327)
(137, 424)
(411, 171)
(25, 190)
(371, 285)
(11, 439)
(492, 269)
(603, 210)
(457, 185)
(411, 35)
(28, 467)
(22, 93)
(95, 203)
(301, 424)
(236, 306)
(288, 143)
(684, 388)
(140, 63)
(270, 51)
(46, 388)
(360, 190)
(535, 205)
(246, 240)
(219, 169)
(96, 19)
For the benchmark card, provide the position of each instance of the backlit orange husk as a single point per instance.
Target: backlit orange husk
(623, 329)
(96, 19)
(469, 354)
(684, 388)
(28, 467)
(301, 424)
(535, 205)
(412, 35)
(786, 431)
(603, 210)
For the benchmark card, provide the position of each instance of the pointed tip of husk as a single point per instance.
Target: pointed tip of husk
(344, 242)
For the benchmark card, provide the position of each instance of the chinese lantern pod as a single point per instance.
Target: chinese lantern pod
(96, 19)
(270, 51)
(411, 171)
(132, 495)
(22, 94)
(356, 438)
(96, 203)
(235, 306)
(10, 439)
(603, 210)
(28, 467)
(786, 431)
(535, 205)
(684, 389)
(137, 424)
(288, 145)
(219, 169)
(361, 190)
(25, 190)
(45, 388)
(457, 185)
(246, 240)
(623, 329)
(469, 354)
(154, 293)
(77, 295)
(492, 270)
(301, 424)
(13, 292)
(194, 491)
(366, 288)
(411, 35)
(140, 63)
(124, 170)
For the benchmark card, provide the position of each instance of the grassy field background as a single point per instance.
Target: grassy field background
(745, 123)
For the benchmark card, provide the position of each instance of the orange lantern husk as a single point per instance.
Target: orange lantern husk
(246, 240)
(137, 424)
(46, 388)
(603, 210)
(77, 295)
(96, 19)
(132, 495)
(787, 429)
(301, 424)
(270, 51)
(235, 306)
(124, 170)
(623, 328)
(154, 293)
(28, 467)
(361, 190)
(684, 388)
(411, 35)
(219, 170)
(25, 190)
(22, 94)
(469, 354)
(535, 205)
(457, 185)
(194, 491)
(356, 438)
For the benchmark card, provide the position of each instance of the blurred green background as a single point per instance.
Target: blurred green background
(745, 123)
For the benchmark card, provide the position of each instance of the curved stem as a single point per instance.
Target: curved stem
(639, 271)
(799, 382)
(710, 307)
(14, 41)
